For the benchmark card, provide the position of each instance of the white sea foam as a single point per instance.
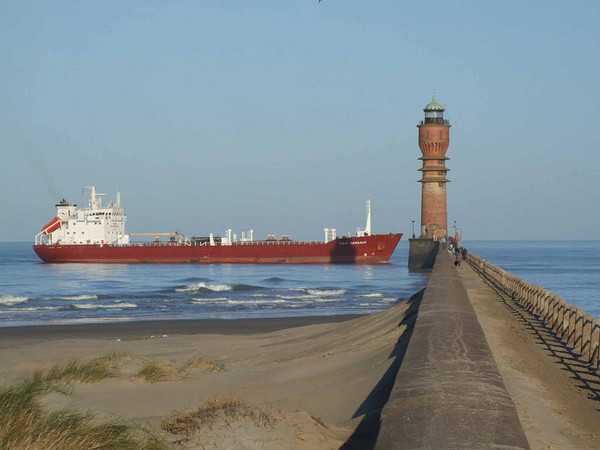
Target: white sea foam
(208, 299)
(7, 299)
(210, 287)
(77, 297)
(285, 297)
(389, 299)
(109, 305)
(253, 302)
(372, 295)
(325, 292)
(326, 300)
(29, 309)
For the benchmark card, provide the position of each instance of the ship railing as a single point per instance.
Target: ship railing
(279, 243)
(203, 244)
(39, 239)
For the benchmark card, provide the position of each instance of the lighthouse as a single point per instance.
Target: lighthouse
(434, 139)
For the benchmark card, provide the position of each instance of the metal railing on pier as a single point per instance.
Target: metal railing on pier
(570, 324)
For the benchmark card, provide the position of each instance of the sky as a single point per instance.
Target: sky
(285, 116)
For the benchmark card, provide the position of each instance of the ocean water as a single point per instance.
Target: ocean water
(35, 293)
(570, 269)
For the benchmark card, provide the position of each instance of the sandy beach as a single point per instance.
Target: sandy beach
(320, 382)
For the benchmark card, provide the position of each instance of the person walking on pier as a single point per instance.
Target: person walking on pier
(458, 256)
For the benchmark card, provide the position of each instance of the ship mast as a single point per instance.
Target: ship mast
(368, 226)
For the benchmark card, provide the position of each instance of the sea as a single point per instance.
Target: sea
(34, 293)
(570, 269)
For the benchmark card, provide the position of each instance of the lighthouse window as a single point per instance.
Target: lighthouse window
(440, 161)
(440, 172)
(440, 184)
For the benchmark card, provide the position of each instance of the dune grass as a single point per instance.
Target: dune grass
(25, 425)
(215, 410)
(203, 365)
(154, 371)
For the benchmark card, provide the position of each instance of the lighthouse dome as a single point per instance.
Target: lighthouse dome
(433, 106)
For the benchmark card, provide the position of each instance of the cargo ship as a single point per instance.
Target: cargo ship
(97, 234)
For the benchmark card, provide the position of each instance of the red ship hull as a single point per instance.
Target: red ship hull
(376, 249)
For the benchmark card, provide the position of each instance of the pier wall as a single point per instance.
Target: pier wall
(575, 328)
(448, 392)
(422, 253)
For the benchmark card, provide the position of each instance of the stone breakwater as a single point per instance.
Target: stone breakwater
(448, 392)
(576, 329)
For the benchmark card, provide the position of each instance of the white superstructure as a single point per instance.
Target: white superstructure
(93, 225)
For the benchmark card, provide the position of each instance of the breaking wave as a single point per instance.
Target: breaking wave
(206, 287)
(372, 295)
(108, 306)
(325, 292)
(76, 297)
(31, 309)
(208, 299)
(7, 299)
(326, 300)
(253, 302)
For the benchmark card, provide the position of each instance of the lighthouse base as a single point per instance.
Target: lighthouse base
(422, 253)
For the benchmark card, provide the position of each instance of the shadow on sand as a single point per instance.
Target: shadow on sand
(365, 435)
(586, 377)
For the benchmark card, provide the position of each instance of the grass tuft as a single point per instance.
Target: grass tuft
(203, 365)
(154, 371)
(83, 371)
(214, 410)
(24, 424)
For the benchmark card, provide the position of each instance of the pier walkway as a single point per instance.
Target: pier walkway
(480, 372)
(448, 392)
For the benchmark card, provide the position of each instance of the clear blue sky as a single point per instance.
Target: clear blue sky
(285, 116)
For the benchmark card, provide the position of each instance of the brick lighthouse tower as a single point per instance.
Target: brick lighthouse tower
(434, 139)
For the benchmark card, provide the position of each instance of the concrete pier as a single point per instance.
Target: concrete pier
(449, 392)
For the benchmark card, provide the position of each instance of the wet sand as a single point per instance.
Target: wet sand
(134, 329)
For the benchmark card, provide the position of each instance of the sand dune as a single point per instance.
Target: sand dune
(316, 382)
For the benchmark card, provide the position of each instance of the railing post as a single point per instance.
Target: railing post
(577, 345)
(560, 314)
(595, 344)
(586, 337)
(538, 302)
(567, 324)
(571, 331)
(551, 311)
